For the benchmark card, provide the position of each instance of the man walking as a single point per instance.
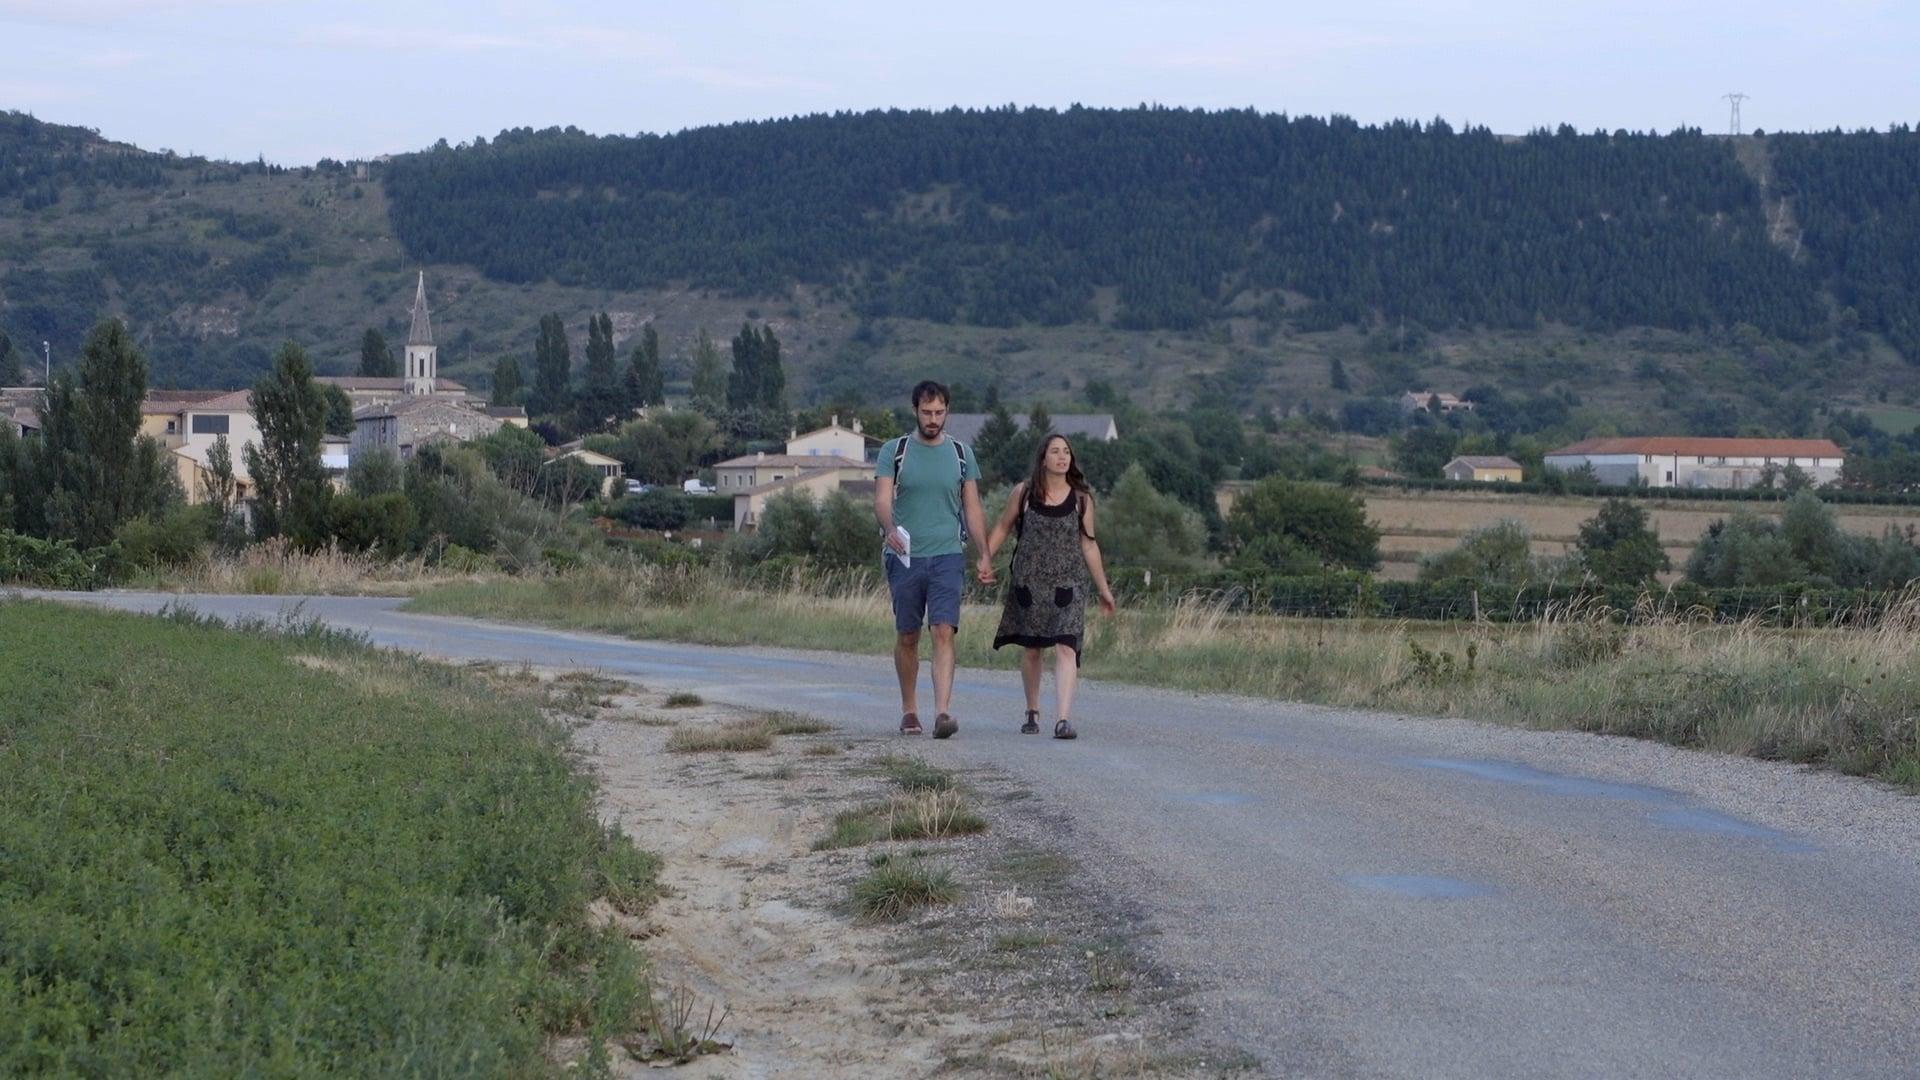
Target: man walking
(925, 486)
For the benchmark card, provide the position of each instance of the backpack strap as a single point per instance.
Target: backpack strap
(900, 457)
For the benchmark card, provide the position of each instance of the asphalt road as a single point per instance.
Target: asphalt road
(1362, 895)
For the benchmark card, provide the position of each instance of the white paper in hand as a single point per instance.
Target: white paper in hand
(905, 554)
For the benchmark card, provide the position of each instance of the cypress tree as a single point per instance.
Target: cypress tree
(506, 381)
(10, 373)
(552, 368)
(600, 392)
(290, 485)
(709, 375)
(376, 359)
(95, 470)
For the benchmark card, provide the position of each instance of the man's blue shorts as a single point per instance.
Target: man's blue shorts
(926, 592)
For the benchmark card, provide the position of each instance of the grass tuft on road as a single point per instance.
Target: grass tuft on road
(898, 887)
(231, 853)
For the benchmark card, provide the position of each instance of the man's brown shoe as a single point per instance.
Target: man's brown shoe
(944, 726)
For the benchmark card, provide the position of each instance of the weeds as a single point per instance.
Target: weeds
(733, 736)
(922, 815)
(913, 774)
(669, 1033)
(900, 887)
(683, 700)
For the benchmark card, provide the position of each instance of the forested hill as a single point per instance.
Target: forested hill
(1021, 216)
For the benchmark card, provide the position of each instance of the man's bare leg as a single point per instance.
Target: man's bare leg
(943, 660)
(906, 664)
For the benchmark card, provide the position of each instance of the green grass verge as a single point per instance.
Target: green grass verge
(228, 853)
(898, 887)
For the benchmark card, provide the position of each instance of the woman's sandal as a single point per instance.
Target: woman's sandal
(1063, 730)
(909, 724)
(1032, 726)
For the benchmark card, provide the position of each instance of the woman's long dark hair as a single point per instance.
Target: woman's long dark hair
(1076, 481)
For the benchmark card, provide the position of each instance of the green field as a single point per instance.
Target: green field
(233, 854)
(1893, 419)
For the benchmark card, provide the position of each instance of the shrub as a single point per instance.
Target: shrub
(371, 522)
(177, 537)
(51, 564)
(1328, 522)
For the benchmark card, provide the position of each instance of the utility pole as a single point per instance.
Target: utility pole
(1733, 121)
(46, 354)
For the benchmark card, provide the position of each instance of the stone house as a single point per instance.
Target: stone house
(1669, 461)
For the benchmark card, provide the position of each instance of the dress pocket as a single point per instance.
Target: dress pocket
(1023, 596)
(1063, 597)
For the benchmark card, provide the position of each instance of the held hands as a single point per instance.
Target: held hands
(984, 570)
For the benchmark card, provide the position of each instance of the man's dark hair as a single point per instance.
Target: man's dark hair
(927, 390)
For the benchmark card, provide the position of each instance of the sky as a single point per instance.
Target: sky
(297, 81)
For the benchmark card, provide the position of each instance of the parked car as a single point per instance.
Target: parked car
(635, 487)
(695, 487)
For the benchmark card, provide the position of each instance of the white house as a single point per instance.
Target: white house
(1669, 461)
(832, 441)
(854, 478)
(736, 475)
(189, 422)
(612, 472)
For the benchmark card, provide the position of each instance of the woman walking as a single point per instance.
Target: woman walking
(1051, 514)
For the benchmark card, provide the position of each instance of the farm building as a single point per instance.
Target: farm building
(1483, 469)
(1667, 461)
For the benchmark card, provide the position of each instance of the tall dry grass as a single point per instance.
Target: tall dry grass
(274, 567)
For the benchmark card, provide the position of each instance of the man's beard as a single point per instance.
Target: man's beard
(931, 432)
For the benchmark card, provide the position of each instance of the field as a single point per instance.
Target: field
(220, 855)
(1842, 698)
(1413, 523)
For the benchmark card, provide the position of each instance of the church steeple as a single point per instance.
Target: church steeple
(421, 353)
(422, 332)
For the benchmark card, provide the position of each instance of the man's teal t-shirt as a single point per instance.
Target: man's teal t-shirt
(926, 494)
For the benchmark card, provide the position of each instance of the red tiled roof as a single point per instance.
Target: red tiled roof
(1691, 447)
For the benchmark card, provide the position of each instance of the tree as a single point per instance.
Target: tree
(1497, 554)
(290, 484)
(1619, 547)
(376, 358)
(646, 383)
(998, 448)
(1139, 527)
(552, 369)
(10, 373)
(1337, 374)
(668, 446)
(219, 492)
(1423, 452)
(599, 399)
(339, 411)
(506, 382)
(758, 381)
(709, 376)
(95, 471)
(1271, 524)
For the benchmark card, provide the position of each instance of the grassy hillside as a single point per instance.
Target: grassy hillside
(215, 263)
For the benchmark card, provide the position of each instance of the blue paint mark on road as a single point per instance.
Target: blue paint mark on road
(1553, 783)
(1672, 810)
(1420, 886)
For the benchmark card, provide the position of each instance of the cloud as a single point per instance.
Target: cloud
(590, 42)
(97, 12)
(720, 78)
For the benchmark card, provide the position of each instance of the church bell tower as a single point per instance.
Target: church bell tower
(421, 360)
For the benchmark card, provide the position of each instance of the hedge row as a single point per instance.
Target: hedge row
(1775, 495)
(53, 564)
(1340, 596)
